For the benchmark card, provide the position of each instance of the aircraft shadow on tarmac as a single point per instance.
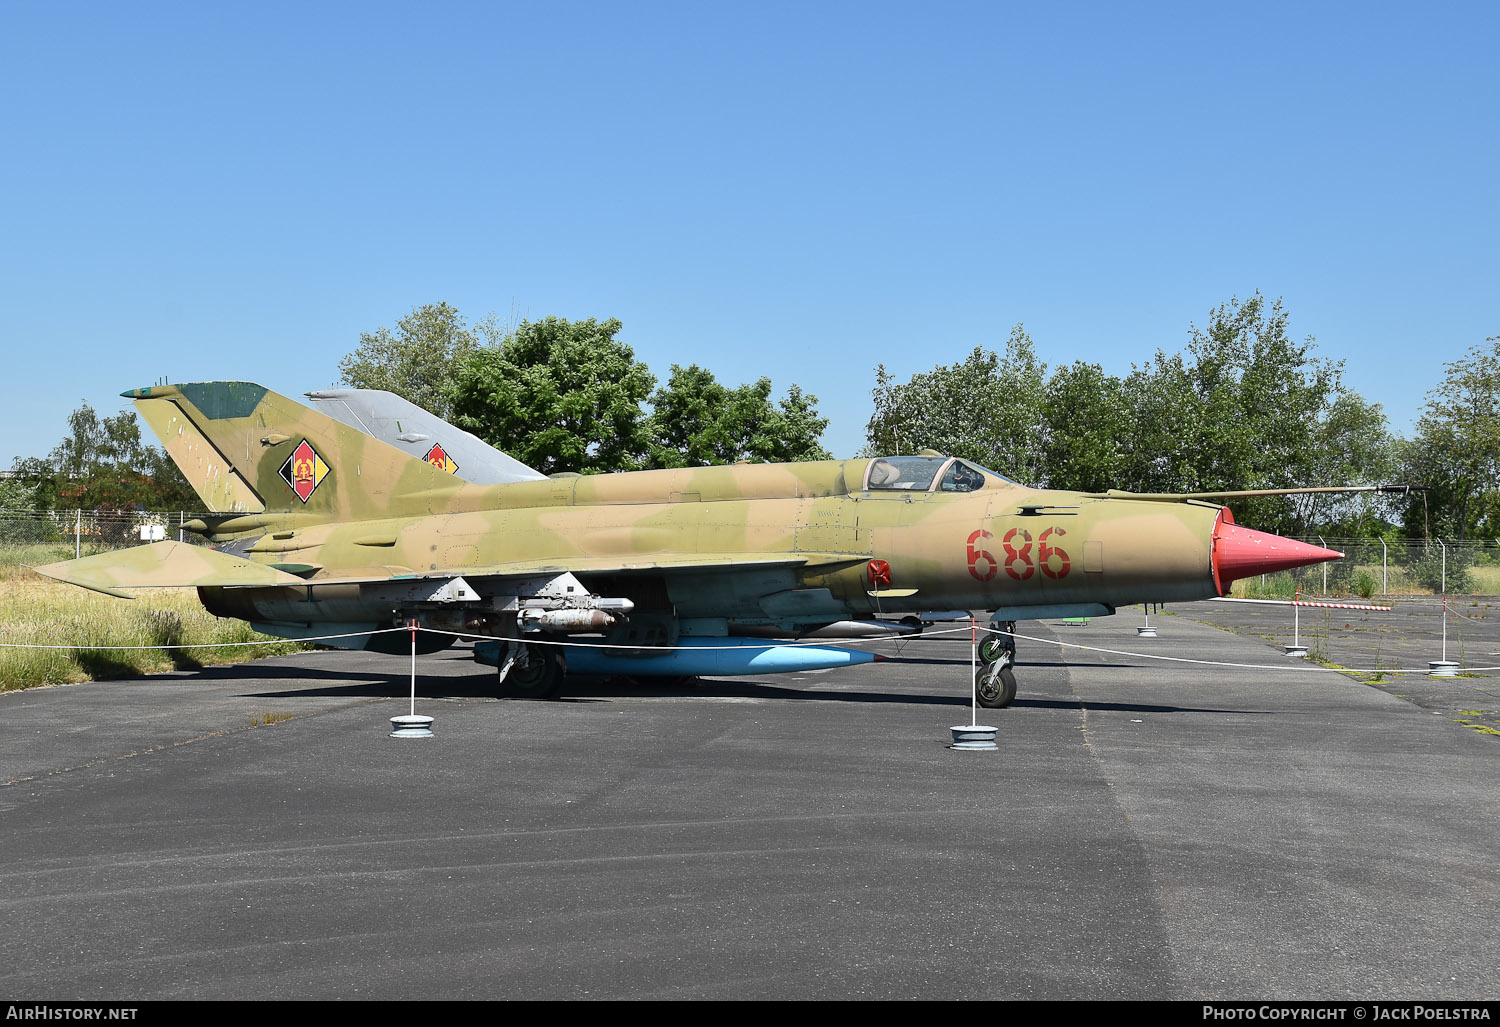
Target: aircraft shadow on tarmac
(931, 661)
(582, 690)
(345, 684)
(1123, 707)
(1019, 664)
(602, 691)
(728, 688)
(336, 683)
(230, 672)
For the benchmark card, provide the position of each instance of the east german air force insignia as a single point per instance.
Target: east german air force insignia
(304, 470)
(438, 457)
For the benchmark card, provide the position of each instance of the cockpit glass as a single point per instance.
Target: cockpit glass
(987, 472)
(918, 473)
(908, 473)
(962, 477)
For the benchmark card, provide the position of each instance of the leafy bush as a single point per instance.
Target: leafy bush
(1425, 566)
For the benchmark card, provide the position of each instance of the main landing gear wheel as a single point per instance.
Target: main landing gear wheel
(995, 685)
(536, 673)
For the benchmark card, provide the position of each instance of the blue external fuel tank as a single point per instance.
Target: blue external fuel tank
(701, 656)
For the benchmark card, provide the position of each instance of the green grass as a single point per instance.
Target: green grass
(266, 719)
(38, 611)
(1486, 580)
(1275, 586)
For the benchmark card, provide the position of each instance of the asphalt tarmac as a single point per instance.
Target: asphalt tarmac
(1146, 830)
(1400, 643)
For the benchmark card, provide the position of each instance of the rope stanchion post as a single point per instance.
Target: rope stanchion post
(973, 736)
(1296, 649)
(1146, 630)
(1444, 668)
(412, 725)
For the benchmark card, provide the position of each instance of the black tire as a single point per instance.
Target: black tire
(913, 622)
(995, 688)
(540, 678)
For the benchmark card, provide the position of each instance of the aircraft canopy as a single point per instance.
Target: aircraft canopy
(929, 474)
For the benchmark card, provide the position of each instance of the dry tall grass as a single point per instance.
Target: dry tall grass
(38, 611)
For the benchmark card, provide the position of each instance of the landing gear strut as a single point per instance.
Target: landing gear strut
(530, 672)
(993, 645)
(994, 681)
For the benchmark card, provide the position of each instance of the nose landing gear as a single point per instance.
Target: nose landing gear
(994, 681)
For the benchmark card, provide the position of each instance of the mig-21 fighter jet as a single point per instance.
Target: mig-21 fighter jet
(321, 529)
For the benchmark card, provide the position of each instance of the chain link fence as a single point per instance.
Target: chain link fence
(1382, 567)
(85, 532)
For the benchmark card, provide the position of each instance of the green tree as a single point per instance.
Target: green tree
(103, 463)
(1088, 422)
(1352, 445)
(1245, 407)
(1161, 444)
(1269, 390)
(796, 430)
(1456, 451)
(988, 409)
(696, 421)
(22, 491)
(559, 396)
(420, 359)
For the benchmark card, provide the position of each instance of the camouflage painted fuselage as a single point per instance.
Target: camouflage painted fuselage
(703, 536)
(359, 534)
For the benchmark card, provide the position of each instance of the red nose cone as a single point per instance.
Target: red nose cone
(1244, 552)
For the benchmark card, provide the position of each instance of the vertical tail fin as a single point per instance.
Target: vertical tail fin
(403, 424)
(246, 449)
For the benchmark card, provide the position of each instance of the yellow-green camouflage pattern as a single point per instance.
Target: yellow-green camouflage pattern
(163, 565)
(741, 541)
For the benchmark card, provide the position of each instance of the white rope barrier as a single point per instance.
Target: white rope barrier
(768, 644)
(1210, 663)
(1471, 620)
(195, 645)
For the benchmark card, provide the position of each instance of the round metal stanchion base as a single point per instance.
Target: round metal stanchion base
(1299, 651)
(412, 726)
(1146, 631)
(1442, 669)
(973, 736)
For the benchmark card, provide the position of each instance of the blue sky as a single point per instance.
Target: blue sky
(800, 191)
